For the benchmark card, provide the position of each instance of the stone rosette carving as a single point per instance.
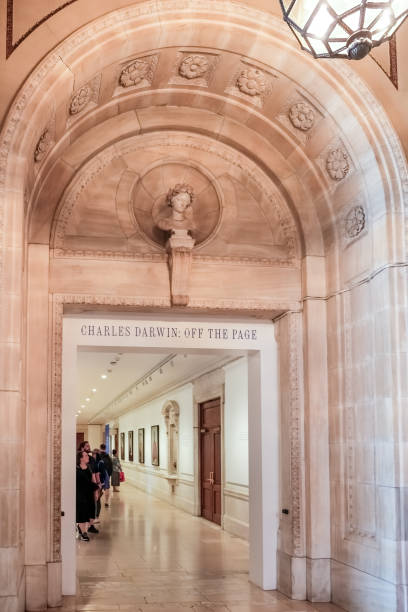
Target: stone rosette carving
(196, 69)
(193, 66)
(134, 73)
(337, 164)
(43, 145)
(355, 222)
(86, 94)
(251, 82)
(139, 72)
(302, 116)
(80, 100)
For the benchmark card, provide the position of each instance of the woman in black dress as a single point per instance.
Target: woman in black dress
(84, 494)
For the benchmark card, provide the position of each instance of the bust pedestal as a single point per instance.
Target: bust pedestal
(179, 248)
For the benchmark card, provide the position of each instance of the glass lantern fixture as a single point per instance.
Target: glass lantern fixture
(343, 28)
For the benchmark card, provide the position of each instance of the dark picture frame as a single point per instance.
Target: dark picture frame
(122, 446)
(155, 445)
(140, 444)
(130, 448)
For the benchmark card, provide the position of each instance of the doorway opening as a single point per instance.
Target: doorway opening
(210, 459)
(162, 464)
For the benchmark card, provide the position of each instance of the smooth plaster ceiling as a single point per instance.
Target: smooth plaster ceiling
(123, 369)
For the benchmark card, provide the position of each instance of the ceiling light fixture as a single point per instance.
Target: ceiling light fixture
(343, 28)
(87, 399)
(93, 390)
(104, 376)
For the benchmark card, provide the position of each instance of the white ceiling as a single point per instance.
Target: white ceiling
(155, 372)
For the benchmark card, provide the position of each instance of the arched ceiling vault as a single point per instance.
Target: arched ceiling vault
(314, 129)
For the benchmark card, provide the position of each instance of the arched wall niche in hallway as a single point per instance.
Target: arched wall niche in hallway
(342, 183)
(171, 414)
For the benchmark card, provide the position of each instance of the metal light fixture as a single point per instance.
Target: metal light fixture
(343, 28)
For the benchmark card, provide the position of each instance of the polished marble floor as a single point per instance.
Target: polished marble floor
(151, 557)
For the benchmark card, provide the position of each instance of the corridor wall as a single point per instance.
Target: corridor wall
(179, 489)
(152, 479)
(236, 487)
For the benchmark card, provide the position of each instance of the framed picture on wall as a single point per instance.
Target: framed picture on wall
(130, 440)
(140, 444)
(155, 445)
(122, 446)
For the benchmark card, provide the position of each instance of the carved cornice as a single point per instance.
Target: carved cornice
(267, 262)
(242, 305)
(114, 255)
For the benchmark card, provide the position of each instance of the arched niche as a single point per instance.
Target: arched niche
(171, 414)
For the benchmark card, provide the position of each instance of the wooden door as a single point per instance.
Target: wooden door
(210, 459)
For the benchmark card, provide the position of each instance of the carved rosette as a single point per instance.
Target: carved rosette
(354, 222)
(80, 100)
(84, 96)
(139, 72)
(43, 145)
(251, 82)
(134, 73)
(193, 66)
(302, 116)
(337, 164)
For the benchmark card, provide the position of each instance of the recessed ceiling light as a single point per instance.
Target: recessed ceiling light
(82, 405)
(93, 390)
(87, 399)
(79, 412)
(104, 376)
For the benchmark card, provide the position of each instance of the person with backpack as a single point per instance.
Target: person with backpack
(107, 461)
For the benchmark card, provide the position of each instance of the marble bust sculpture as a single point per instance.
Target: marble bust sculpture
(181, 218)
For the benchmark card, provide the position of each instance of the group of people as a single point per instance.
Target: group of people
(95, 472)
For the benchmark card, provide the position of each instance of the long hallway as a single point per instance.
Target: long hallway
(150, 556)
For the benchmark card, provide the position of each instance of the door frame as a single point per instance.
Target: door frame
(198, 473)
(263, 390)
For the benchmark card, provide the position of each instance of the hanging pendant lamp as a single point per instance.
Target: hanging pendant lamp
(343, 28)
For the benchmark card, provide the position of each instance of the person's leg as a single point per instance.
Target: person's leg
(83, 531)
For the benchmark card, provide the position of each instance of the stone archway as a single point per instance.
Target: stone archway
(342, 182)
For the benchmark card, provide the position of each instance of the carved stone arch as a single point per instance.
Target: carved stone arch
(171, 414)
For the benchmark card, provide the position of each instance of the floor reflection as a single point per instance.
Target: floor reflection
(150, 556)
